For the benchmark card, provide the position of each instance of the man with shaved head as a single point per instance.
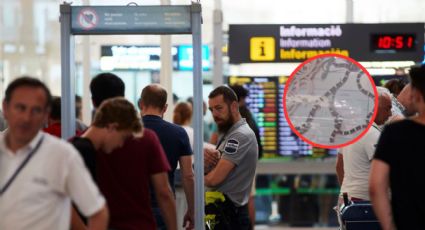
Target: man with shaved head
(174, 140)
(402, 105)
(405, 99)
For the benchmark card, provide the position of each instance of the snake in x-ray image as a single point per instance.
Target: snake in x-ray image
(329, 100)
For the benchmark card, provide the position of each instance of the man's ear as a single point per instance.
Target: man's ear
(4, 109)
(47, 115)
(234, 106)
(139, 103)
(165, 108)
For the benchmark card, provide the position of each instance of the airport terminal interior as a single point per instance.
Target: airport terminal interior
(256, 44)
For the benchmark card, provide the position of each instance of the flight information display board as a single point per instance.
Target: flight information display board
(265, 103)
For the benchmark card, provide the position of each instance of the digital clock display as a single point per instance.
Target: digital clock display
(393, 42)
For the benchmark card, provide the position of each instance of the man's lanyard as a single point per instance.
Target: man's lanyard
(21, 166)
(376, 127)
(221, 141)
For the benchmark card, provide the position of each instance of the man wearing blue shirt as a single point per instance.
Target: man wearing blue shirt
(174, 140)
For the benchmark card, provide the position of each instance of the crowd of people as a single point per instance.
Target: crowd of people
(118, 173)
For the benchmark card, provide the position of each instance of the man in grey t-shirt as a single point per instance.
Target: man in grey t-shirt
(234, 173)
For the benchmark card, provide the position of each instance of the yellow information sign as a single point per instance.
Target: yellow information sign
(262, 48)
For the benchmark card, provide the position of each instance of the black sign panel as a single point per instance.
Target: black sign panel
(296, 43)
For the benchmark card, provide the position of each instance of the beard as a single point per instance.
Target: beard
(226, 125)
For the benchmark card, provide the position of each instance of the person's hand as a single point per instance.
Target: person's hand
(211, 158)
(188, 221)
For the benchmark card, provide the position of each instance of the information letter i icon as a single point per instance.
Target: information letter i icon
(262, 49)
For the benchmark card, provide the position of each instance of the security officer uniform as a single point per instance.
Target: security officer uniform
(239, 146)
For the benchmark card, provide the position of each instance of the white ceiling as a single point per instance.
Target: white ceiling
(234, 12)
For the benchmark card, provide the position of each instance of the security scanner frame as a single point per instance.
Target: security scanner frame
(121, 20)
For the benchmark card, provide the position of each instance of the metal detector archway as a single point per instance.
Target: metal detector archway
(120, 20)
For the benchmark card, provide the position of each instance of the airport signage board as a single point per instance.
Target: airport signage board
(185, 60)
(298, 42)
(130, 57)
(130, 20)
(124, 57)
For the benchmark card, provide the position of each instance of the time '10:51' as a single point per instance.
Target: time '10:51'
(395, 42)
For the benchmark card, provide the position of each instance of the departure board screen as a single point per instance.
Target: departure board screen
(289, 143)
(265, 103)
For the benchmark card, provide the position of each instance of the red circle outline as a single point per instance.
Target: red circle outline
(81, 13)
(375, 109)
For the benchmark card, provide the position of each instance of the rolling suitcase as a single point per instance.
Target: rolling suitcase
(358, 215)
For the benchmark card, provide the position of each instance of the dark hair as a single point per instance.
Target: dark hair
(154, 95)
(27, 81)
(78, 98)
(117, 110)
(175, 98)
(182, 113)
(204, 105)
(240, 91)
(78, 108)
(55, 110)
(104, 86)
(190, 100)
(395, 86)
(229, 95)
(417, 77)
